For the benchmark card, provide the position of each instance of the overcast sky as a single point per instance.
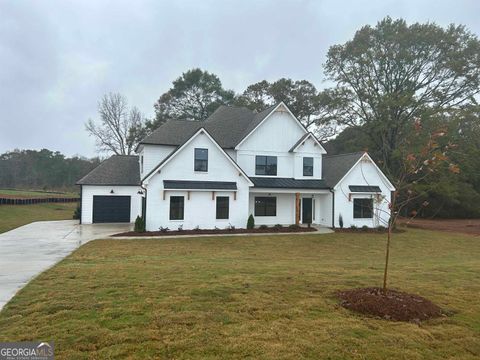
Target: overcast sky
(57, 58)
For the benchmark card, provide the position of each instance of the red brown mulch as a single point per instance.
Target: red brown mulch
(464, 226)
(393, 305)
(218, 231)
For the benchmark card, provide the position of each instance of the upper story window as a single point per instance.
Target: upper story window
(201, 159)
(265, 165)
(362, 208)
(308, 166)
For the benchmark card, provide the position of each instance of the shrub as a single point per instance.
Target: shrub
(263, 227)
(163, 229)
(77, 213)
(340, 221)
(180, 227)
(231, 227)
(250, 222)
(294, 226)
(353, 227)
(365, 228)
(139, 224)
(278, 226)
(381, 228)
(197, 227)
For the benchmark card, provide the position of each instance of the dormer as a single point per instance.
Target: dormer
(307, 153)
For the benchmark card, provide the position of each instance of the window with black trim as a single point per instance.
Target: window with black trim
(222, 207)
(201, 159)
(362, 208)
(265, 206)
(176, 207)
(308, 166)
(265, 165)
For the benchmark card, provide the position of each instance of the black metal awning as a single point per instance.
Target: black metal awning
(198, 185)
(365, 189)
(288, 183)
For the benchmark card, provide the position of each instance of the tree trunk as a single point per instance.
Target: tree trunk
(387, 255)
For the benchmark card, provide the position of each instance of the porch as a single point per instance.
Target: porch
(291, 206)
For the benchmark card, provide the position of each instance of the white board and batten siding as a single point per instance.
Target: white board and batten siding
(88, 191)
(152, 156)
(200, 209)
(274, 137)
(363, 173)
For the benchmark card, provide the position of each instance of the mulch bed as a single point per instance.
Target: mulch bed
(392, 305)
(218, 231)
(464, 226)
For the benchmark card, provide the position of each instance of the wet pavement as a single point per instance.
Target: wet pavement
(29, 250)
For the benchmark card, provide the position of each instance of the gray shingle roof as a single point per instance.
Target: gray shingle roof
(288, 183)
(336, 166)
(228, 125)
(116, 170)
(202, 185)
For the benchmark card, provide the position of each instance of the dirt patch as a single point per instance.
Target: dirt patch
(392, 305)
(219, 231)
(464, 226)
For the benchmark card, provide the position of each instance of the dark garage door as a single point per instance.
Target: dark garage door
(111, 209)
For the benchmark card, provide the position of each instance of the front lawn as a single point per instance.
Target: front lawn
(267, 297)
(12, 216)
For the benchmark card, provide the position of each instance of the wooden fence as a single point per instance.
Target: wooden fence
(9, 201)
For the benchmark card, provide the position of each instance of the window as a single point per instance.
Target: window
(265, 206)
(307, 166)
(176, 207)
(201, 160)
(362, 208)
(265, 165)
(222, 207)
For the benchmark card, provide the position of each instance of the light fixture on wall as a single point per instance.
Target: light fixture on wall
(140, 192)
(112, 192)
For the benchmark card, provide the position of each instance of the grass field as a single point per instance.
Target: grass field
(25, 194)
(12, 216)
(255, 297)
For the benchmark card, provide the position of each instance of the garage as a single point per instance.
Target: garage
(111, 209)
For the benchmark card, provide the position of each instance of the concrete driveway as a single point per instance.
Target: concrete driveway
(28, 250)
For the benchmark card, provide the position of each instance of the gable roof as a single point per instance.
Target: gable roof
(116, 170)
(335, 167)
(179, 148)
(228, 125)
(303, 139)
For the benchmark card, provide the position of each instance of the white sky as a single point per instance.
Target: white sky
(57, 58)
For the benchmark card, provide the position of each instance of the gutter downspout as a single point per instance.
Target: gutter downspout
(333, 208)
(145, 213)
(81, 201)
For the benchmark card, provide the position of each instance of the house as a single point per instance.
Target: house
(217, 172)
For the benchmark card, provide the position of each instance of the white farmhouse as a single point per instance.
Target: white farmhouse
(217, 172)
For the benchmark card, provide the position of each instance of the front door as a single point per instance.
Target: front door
(306, 210)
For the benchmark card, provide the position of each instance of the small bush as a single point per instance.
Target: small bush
(163, 229)
(381, 228)
(139, 224)
(263, 227)
(353, 227)
(197, 227)
(365, 228)
(231, 227)
(278, 226)
(180, 227)
(294, 226)
(340, 221)
(77, 213)
(250, 222)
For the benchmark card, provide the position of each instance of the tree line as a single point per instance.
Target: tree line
(42, 169)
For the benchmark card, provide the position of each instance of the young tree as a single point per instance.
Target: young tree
(194, 96)
(392, 74)
(423, 155)
(120, 128)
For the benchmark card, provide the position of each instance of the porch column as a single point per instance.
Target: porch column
(297, 208)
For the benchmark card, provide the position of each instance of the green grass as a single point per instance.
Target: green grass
(35, 194)
(12, 216)
(253, 297)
